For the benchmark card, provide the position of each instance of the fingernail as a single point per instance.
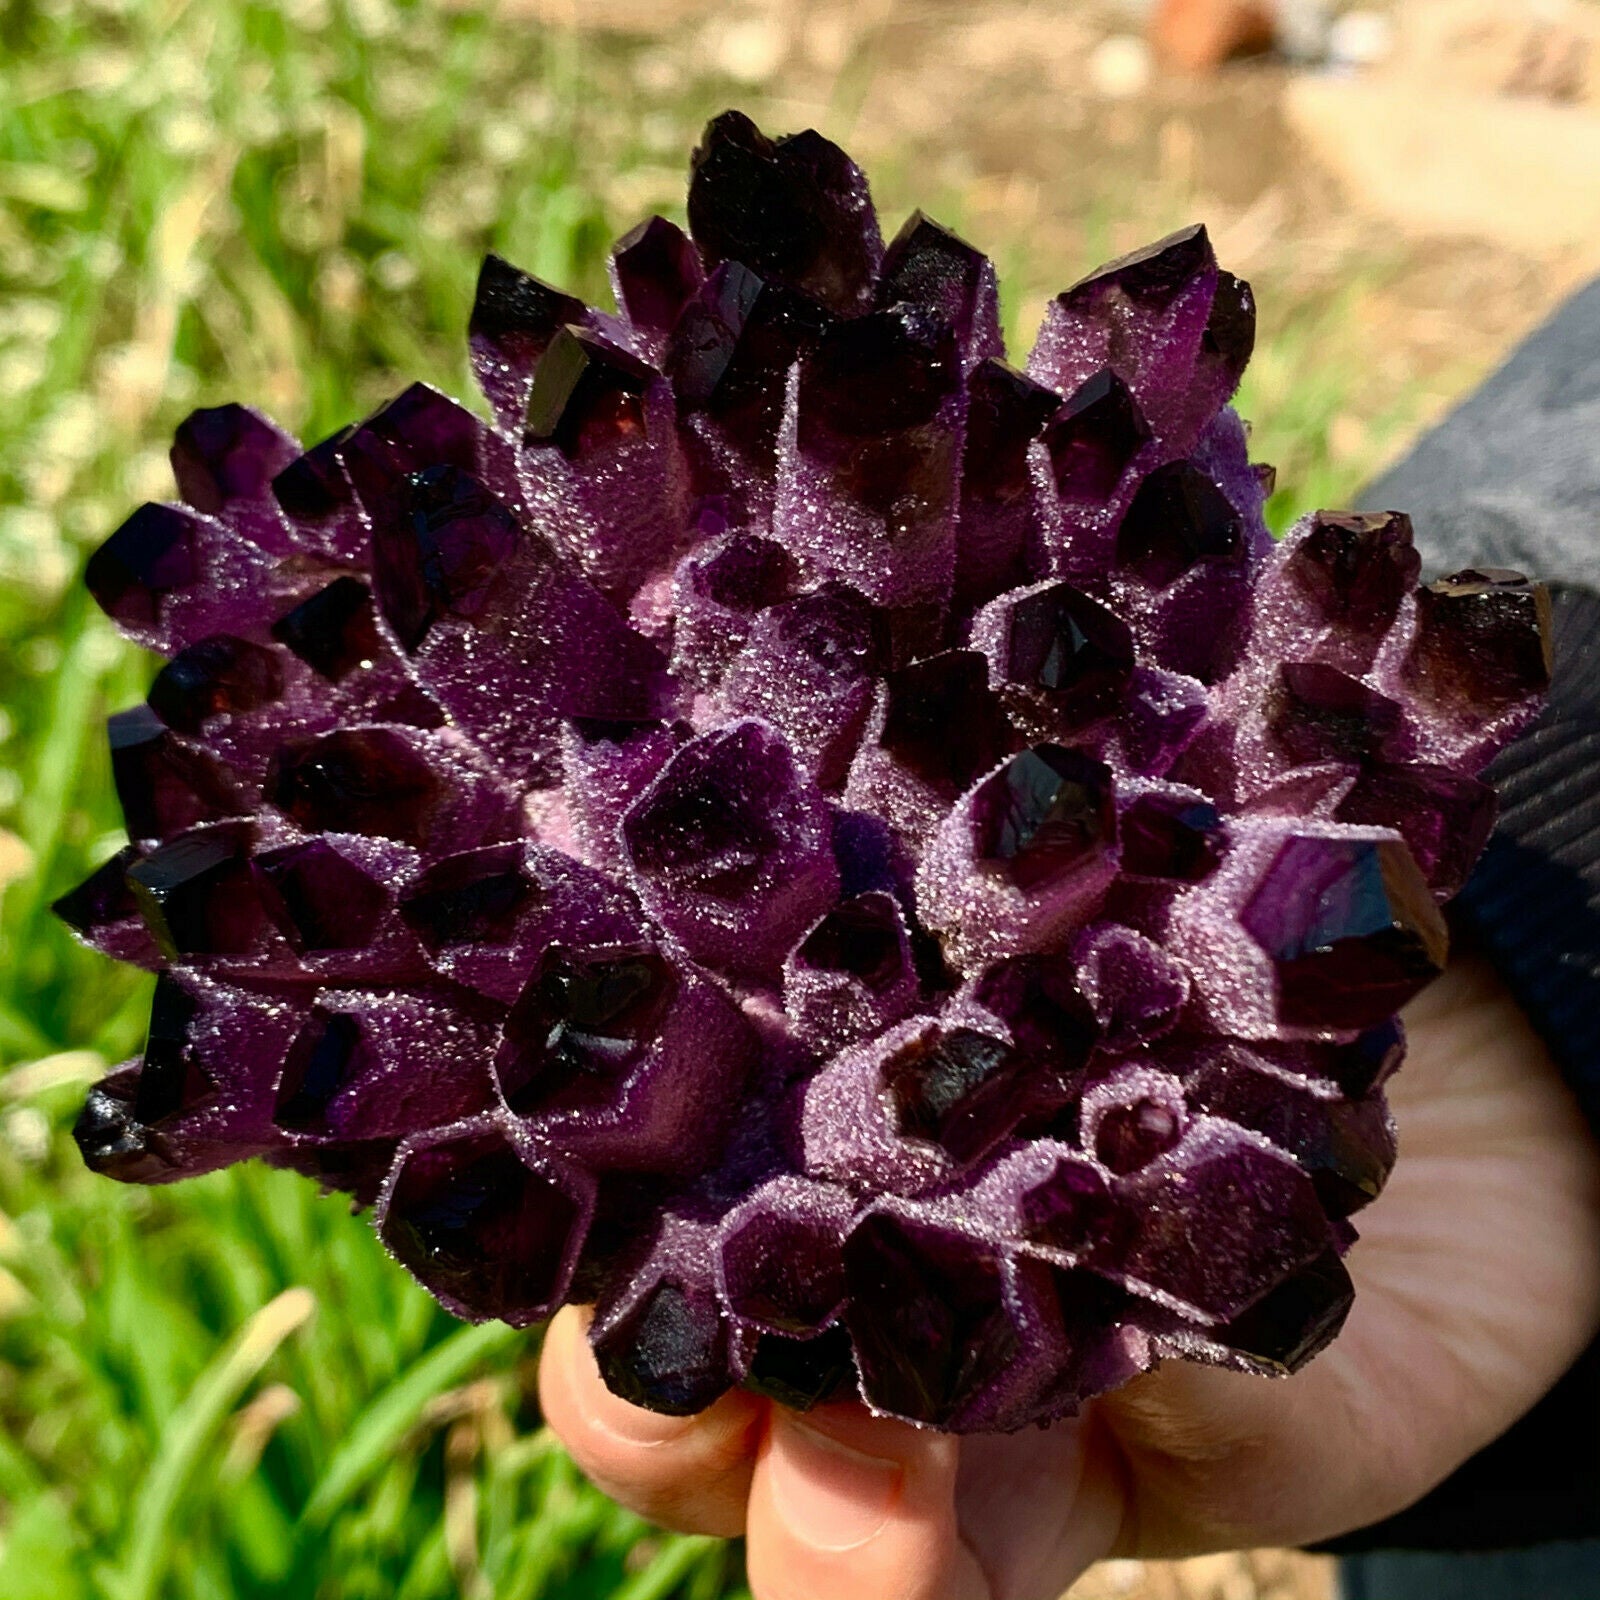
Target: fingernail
(833, 1497)
(634, 1425)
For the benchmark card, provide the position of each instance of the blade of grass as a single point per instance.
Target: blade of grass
(675, 1561)
(196, 1424)
(386, 1421)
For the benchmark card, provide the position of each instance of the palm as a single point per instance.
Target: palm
(1478, 1281)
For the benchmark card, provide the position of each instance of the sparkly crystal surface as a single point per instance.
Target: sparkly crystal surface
(864, 863)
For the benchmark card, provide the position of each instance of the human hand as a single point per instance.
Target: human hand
(1477, 1283)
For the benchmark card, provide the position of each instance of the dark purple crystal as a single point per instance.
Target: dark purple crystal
(1093, 438)
(198, 894)
(226, 454)
(1318, 713)
(1170, 836)
(332, 631)
(1351, 928)
(1044, 812)
(670, 1355)
(219, 676)
(355, 780)
(586, 394)
(149, 556)
(1075, 652)
(1178, 518)
(943, 722)
(474, 898)
(656, 270)
(319, 899)
(164, 784)
(1483, 639)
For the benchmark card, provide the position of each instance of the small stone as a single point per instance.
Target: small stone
(1093, 438)
(1171, 836)
(1351, 927)
(1070, 650)
(794, 210)
(319, 899)
(1483, 640)
(670, 1355)
(943, 721)
(585, 1014)
(334, 631)
(355, 780)
(475, 898)
(325, 1056)
(656, 271)
(586, 394)
(1178, 519)
(1317, 713)
(149, 556)
(226, 454)
(440, 552)
(1043, 813)
(164, 784)
(481, 1230)
(198, 895)
(220, 676)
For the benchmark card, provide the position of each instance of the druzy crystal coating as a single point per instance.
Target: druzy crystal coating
(866, 865)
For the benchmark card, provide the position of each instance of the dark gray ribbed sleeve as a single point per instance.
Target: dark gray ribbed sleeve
(1512, 478)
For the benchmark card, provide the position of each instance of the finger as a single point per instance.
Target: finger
(1039, 1508)
(851, 1507)
(687, 1473)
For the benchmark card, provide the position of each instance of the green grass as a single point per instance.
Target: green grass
(225, 1389)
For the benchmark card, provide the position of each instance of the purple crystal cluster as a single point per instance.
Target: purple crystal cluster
(865, 864)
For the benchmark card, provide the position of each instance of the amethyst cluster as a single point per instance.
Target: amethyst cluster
(865, 864)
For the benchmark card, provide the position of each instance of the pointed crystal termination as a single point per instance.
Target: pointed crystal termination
(514, 318)
(1357, 568)
(482, 1230)
(1094, 437)
(318, 898)
(1068, 652)
(927, 265)
(474, 898)
(227, 453)
(171, 1081)
(927, 1315)
(1044, 813)
(149, 556)
(113, 1141)
(794, 210)
(1230, 337)
(1152, 275)
(1483, 640)
(1284, 1329)
(655, 271)
(1351, 927)
(334, 631)
(963, 1090)
(730, 352)
(313, 487)
(102, 898)
(1318, 713)
(1445, 817)
(355, 780)
(943, 721)
(198, 895)
(1178, 518)
(164, 784)
(219, 676)
(440, 551)
(324, 1057)
(671, 1354)
(802, 1373)
(586, 394)
(585, 1013)
(1172, 836)
(861, 938)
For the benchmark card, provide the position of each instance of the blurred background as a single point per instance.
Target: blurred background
(225, 1390)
